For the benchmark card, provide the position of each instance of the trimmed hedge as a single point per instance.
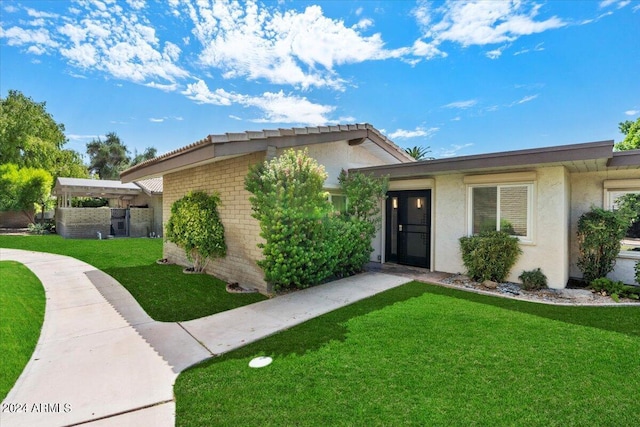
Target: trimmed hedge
(489, 255)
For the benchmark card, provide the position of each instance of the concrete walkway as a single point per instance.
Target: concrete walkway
(102, 361)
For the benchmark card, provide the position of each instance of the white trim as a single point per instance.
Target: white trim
(499, 178)
(412, 184)
(621, 184)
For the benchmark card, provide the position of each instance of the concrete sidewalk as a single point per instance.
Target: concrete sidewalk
(103, 361)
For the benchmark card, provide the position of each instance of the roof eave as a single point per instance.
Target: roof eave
(562, 153)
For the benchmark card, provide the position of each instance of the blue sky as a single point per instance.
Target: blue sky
(461, 77)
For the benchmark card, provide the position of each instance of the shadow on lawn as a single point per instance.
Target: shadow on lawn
(316, 333)
(625, 319)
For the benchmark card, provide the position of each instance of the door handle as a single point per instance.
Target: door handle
(400, 227)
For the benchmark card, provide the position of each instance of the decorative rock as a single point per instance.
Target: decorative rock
(490, 284)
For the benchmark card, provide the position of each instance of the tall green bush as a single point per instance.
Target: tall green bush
(195, 226)
(638, 272)
(291, 206)
(599, 240)
(306, 241)
(490, 255)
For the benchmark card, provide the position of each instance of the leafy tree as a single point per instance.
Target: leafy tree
(109, 157)
(30, 137)
(419, 153)
(195, 226)
(23, 188)
(148, 154)
(631, 130)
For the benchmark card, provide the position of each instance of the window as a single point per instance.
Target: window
(629, 200)
(505, 207)
(339, 202)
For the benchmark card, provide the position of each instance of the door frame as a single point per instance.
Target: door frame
(402, 197)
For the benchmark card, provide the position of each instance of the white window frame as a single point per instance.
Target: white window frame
(529, 238)
(612, 190)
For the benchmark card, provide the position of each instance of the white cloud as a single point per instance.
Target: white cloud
(200, 93)
(462, 104)
(452, 150)
(632, 112)
(276, 107)
(294, 48)
(417, 132)
(17, 36)
(157, 120)
(281, 108)
(618, 3)
(480, 22)
(496, 53)
(525, 99)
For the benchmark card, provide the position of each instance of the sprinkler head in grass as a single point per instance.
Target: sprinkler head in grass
(260, 362)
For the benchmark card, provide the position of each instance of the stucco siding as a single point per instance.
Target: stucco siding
(450, 206)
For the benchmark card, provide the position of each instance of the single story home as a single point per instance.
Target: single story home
(537, 194)
(133, 210)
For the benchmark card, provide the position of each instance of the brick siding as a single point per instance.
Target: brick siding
(242, 231)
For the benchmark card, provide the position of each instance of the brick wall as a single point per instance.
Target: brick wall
(83, 222)
(242, 232)
(140, 222)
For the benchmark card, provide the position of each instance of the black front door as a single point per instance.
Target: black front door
(408, 227)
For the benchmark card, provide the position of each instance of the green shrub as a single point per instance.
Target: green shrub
(533, 280)
(195, 226)
(615, 289)
(306, 241)
(89, 202)
(638, 272)
(37, 228)
(599, 235)
(290, 204)
(489, 255)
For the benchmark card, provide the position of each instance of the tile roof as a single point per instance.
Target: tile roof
(231, 137)
(151, 185)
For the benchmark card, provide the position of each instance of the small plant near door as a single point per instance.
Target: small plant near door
(195, 226)
(490, 255)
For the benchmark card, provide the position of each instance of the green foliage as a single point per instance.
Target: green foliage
(21, 189)
(363, 195)
(109, 157)
(89, 202)
(637, 272)
(418, 152)
(615, 289)
(289, 202)
(195, 226)
(30, 137)
(306, 242)
(533, 280)
(631, 130)
(489, 255)
(148, 154)
(38, 228)
(599, 234)
(629, 208)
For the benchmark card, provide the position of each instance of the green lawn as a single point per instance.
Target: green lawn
(427, 355)
(163, 291)
(21, 315)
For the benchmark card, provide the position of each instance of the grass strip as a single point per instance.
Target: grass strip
(426, 355)
(163, 291)
(22, 303)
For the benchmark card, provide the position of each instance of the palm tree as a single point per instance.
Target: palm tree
(419, 153)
